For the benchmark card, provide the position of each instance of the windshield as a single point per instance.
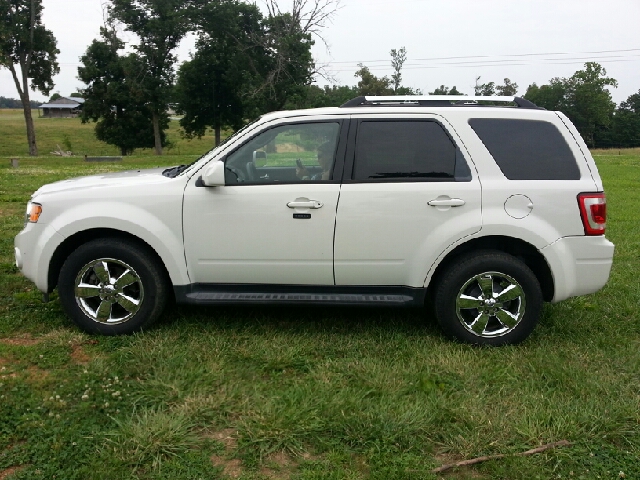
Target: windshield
(175, 171)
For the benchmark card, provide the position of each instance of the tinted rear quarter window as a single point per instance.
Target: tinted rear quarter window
(527, 149)
(404, 150)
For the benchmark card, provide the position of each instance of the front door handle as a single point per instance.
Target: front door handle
(305, 204)
(447, 202)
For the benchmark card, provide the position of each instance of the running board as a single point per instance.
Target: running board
(298, 294)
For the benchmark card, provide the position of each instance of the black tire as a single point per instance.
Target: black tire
(112, 287)
(488, 298)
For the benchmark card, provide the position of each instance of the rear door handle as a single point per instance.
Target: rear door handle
(447, 202)
(305, 204)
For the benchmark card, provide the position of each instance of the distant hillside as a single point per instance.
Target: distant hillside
(13, 103)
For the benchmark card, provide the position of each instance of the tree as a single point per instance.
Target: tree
(484, 89)
(113, 97)
(583, 97)
(160, 25)
(549, 96)
(490, 89)
(27, 45)
(213, 89)
(398, 57)
(443, 90)
(14, 103)
(369, 84)
(288, 64)
(328, 96)
(247, 63)
(589, 104)
(624, 129)
(509, 89)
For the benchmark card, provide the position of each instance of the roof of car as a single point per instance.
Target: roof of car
(404, 104)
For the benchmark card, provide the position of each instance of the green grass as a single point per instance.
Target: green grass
(315, 393)
(52, 133)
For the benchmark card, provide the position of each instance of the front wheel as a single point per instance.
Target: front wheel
(488, 298)
(112, 287)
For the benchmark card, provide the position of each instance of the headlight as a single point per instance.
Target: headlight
(33, 212)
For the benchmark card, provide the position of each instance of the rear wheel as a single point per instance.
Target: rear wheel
(112, 287)
(488, 298)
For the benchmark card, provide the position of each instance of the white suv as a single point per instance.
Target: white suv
(486, 211)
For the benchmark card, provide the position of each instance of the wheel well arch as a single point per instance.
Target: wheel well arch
(520, 249)
(70, 244)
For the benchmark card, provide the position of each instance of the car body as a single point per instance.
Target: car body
(443, 199)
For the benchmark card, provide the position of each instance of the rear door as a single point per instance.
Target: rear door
(409, 192)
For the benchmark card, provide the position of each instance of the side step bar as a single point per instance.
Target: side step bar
(200, 294)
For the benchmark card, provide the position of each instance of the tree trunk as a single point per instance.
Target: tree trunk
(156, 133)
(31, 131)
(23, 92)
(216, 130)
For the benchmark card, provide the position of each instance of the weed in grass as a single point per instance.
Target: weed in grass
(150, 437)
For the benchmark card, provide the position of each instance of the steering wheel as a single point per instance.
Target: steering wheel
(252, 172)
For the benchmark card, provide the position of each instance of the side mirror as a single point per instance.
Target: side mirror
(213, 175)
(259, 158)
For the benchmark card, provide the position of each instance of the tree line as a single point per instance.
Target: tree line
(14, 103)
(247, 62)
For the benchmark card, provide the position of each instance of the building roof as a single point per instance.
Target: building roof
(68, 106)
(64, 102)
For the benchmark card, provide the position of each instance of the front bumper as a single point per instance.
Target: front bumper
(33, 248)
(580, 265)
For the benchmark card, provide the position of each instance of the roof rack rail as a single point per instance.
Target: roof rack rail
(436, 101)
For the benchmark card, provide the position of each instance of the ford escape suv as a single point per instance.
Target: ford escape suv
(486, 207)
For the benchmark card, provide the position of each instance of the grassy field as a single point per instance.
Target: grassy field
(313, 393)
(71, 134)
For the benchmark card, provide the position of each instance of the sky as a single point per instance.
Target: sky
(448, 42)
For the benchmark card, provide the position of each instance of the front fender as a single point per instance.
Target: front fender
(163, 234)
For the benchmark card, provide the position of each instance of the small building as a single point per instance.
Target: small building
(63, 107)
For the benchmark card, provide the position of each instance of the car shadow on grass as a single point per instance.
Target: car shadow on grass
(302, 319)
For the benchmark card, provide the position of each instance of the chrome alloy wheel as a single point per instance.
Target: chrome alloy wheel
(108, 291)
(490, 304)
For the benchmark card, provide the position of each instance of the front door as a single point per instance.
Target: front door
(273, 222)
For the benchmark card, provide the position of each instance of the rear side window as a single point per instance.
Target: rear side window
(527, 149)
(405, 150)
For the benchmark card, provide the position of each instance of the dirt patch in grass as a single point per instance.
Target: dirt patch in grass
(279, 466)
(9, 471)
(79, 356)
(22, 341)
(229, 438)
(37, 374)
(232, 468)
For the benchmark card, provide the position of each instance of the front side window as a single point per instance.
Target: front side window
(299, 152)
(405, 151)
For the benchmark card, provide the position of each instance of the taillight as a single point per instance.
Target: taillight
(593, 210)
